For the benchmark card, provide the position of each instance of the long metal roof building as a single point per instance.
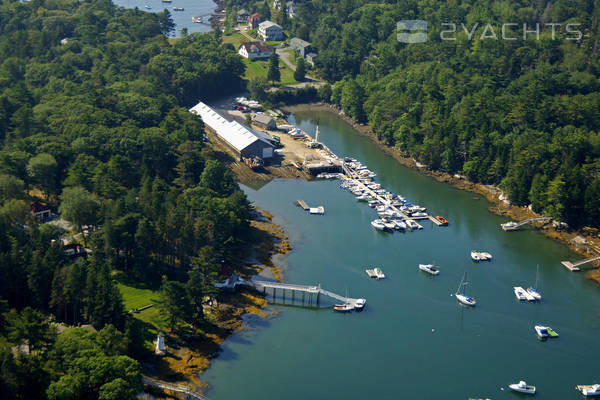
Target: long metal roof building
(246, 142)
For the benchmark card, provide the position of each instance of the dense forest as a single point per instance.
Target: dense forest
(94, 123)
(521, 114)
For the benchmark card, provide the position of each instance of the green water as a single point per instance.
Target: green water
(412, 341)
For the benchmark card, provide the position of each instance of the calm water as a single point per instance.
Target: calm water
(412, 341)
(182, 19)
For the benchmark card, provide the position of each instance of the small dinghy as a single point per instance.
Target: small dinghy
(522, 387)
(429, 268)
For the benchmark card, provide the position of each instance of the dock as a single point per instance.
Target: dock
(435, 220)
(383, 200)
(510, 226)
(303, 290)
(303, 204)
(574, 267)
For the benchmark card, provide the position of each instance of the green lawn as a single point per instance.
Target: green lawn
(136, 298)
(255, 69)
(236, 39)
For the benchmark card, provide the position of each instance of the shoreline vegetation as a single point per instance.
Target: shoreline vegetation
(493, 194)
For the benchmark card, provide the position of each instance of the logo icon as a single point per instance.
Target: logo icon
(412, 25)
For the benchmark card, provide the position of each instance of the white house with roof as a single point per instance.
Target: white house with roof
(243, 141)
(269, 30)
(255, 50)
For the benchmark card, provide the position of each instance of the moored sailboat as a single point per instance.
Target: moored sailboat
(460, 294)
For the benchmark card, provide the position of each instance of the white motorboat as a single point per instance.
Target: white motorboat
(359, 304)
(429, 268)
(522, 294)
(374, 203)
(317, 210)
(419, 214)
(541, 331)
(389, 225)
(378, 224)
(509, 226)
(522, 387)
(460, 294)
(480, 256)
(400, 225)
(593, 390)
(411, 224)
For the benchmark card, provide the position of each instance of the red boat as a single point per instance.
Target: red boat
(443, 220)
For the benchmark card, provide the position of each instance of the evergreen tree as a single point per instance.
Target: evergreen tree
(300, 72)
(274, 75)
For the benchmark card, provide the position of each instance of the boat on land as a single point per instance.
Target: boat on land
(429, 268)
(522, 387)
(376, 273)
(442, 220)
(522, 294)
(589, 390)
(359, 304)
(378, 224)
(541, 331)
(460, 294)
(533, 290)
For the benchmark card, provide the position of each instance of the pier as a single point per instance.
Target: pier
(513, 226)
(303, 204)
(314, 290)
(351, 176)
(167, 388)
(575, 266)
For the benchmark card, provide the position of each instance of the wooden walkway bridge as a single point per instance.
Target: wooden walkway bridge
(513, 226)
(165, 387)
(302, 290)
(575, 266)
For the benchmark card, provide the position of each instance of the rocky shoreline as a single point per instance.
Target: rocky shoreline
(493, 194)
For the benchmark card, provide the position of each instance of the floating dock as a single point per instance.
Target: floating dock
(303, 204)
(575, 266)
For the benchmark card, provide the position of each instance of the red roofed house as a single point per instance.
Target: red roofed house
(255, 19)
(255, 50)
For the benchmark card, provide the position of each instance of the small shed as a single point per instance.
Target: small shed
(264, 121)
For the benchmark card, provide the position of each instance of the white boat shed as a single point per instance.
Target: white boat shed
(244, 141)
